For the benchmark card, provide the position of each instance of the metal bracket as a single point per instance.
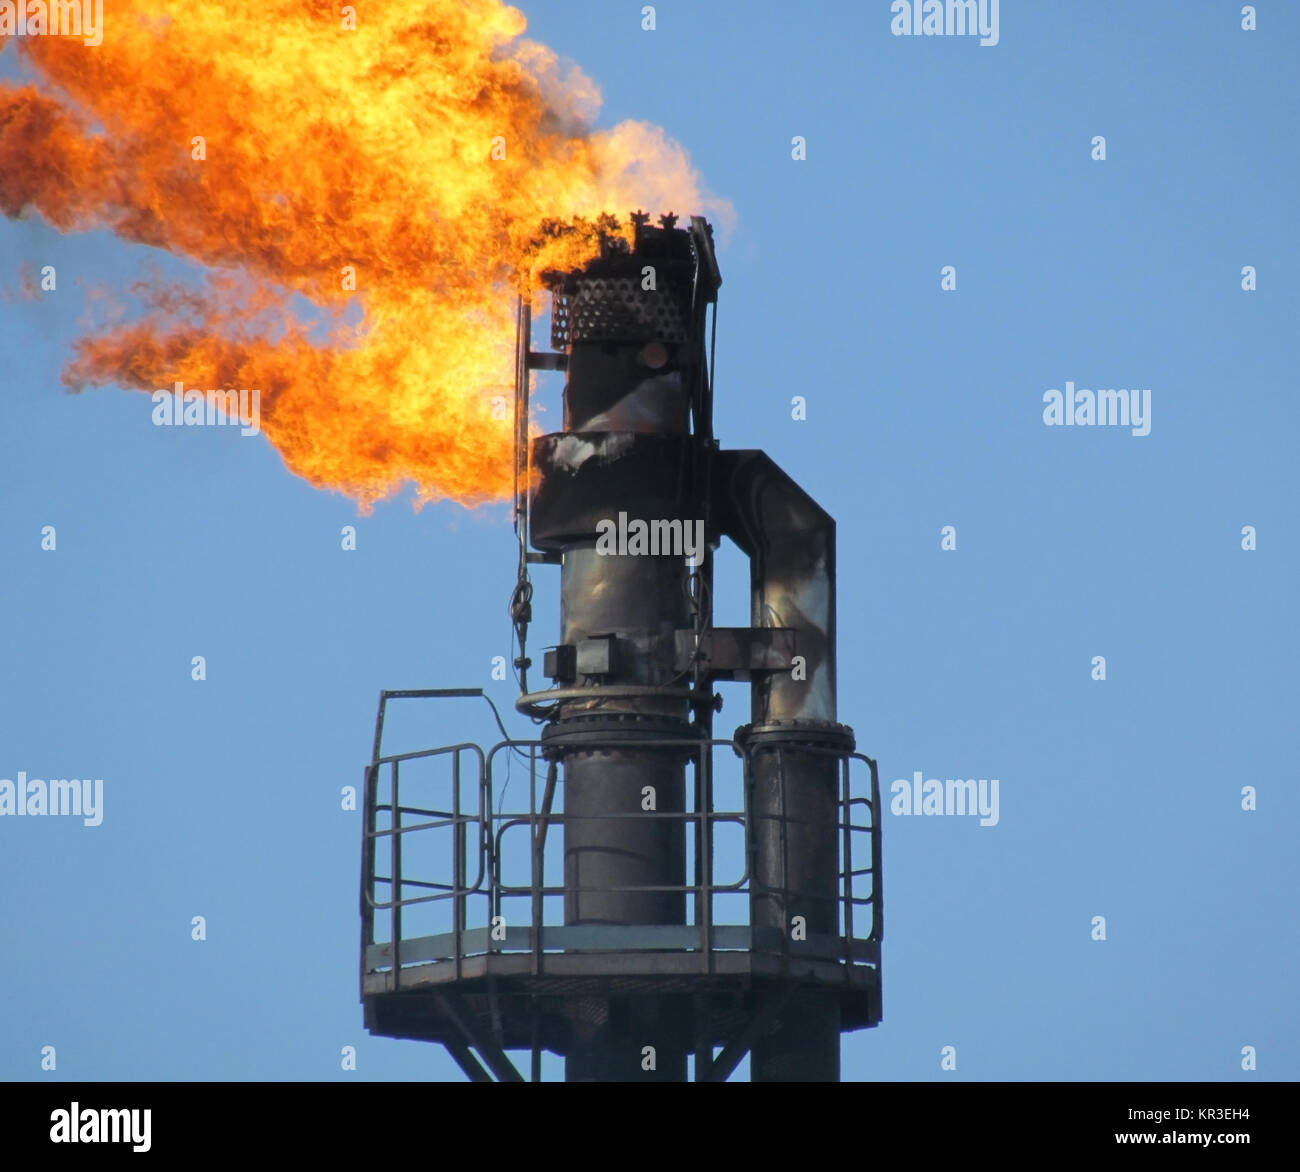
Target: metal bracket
(492, 1053)
(547, 360)
(733, 1053)
(735, 653)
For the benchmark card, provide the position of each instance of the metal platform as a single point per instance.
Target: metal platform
(462, 903)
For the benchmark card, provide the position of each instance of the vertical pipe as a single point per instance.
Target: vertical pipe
(615, 848)
(795, 814)
(791, 776)
(634, 320)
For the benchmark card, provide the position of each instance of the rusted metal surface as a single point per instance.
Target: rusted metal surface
(588, 921)
(736, 653)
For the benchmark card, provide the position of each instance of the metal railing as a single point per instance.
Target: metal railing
(459, 863)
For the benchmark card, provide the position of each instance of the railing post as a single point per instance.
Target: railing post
(368, 786)
(458, 866)
(705, 878)
(397, 884)
(846, 818)
(539, 827)
(877, 874)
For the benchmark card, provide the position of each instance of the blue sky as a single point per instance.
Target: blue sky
(1119, 798)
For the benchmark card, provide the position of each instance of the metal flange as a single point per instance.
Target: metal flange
(825, 735)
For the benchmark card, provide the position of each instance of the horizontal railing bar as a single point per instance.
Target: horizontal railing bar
(431, 694)
(605, 938)
(391, 830)
(421, 753)
(394, 904)
(694, 816)
(514, 891)
(505, 820)
(552, 892)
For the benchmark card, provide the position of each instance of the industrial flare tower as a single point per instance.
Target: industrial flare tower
(632, 907)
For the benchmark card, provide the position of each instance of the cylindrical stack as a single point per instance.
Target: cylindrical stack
(625, 459)
(795, 815)
(795, 746)
(609, 841)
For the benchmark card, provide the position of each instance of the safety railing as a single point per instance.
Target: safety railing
(462, 856)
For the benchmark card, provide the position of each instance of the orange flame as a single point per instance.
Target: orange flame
(430, 151)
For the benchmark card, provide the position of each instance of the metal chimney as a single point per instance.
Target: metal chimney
(630, 500)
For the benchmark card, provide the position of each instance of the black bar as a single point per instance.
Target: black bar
(239, 1119)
